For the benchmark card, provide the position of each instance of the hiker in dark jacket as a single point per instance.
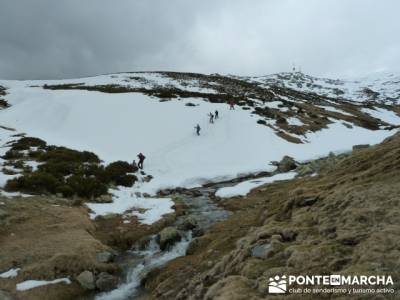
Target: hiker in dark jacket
(211, 118)
(232, 105)
(216, 115)
(197, 127)
(141, 160)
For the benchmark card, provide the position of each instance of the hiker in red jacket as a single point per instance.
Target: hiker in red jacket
(141, 160)
(232, 105)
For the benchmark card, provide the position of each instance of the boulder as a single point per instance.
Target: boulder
(142, 243)
(167, 237)
(106, 281)
(305, 170)
(286, 164)
(261, 251)
(198, 231)
(105, 257)
(189, 223)
(87, 280)
(268, 249)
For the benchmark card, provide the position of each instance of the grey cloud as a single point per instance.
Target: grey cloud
(61, 39)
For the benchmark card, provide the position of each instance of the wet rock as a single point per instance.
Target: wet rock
(143, 243)
(192, 246)
(87, 280)
(188, 223)
(286, 164)
(196, 232)
(168, 237)
(360, 147)
(106, 282)
(105, 257)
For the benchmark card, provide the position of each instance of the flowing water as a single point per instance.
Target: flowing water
(138, 262)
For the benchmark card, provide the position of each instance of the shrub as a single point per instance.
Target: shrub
(65, 190)
(59, 168)
(116, 172)
(86, 187)
(126, 180)
(4, 103)
(26, 143)
(65, 154)
(13, 154)
(37, 182)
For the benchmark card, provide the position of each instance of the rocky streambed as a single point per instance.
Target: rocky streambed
(153, 251)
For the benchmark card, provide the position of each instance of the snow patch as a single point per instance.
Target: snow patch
(243, 188)
(10, 273)
(30, 284)
(148, 210)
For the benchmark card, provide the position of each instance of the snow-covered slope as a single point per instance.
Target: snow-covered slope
(378, 87)
(119, 115)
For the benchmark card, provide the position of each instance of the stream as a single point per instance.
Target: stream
(138, 261)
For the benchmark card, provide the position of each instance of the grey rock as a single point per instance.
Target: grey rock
(105, 257)
(305, 170)
(198, 231)
(287, 164)
(104, 199)
(109, 216)
(267, 250)
(86, 280)
(106, 282)
(306, 201)
(261, 251)
(167, 237)
(188, 223)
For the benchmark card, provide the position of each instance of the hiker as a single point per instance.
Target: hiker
(141, 160)
(216, 114)
(232, 105)
(211, 118)
(197, 127)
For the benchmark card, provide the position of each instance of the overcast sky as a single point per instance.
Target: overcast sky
(43, 39)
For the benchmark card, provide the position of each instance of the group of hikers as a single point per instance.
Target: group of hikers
(212, 117)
